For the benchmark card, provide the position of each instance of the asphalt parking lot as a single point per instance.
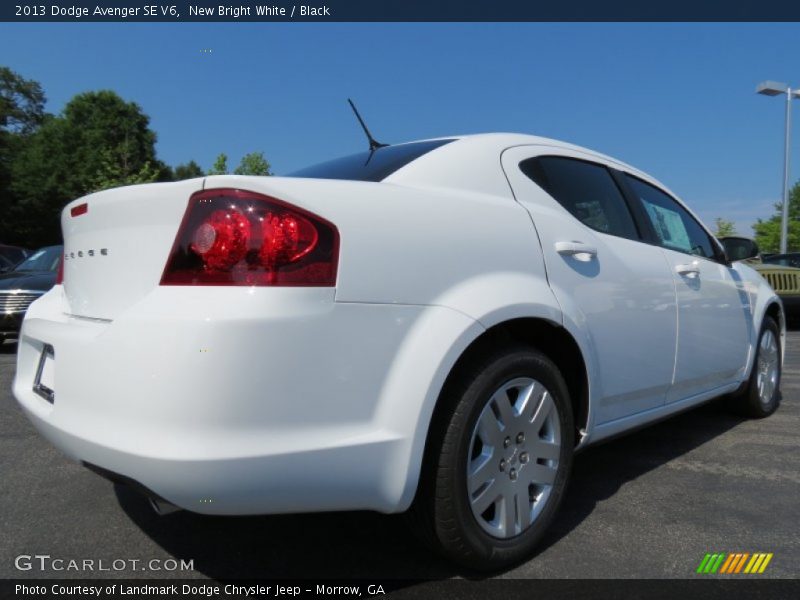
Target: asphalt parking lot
(649, 505)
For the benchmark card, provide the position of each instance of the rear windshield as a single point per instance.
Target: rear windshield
(45, 259)
(370, 166)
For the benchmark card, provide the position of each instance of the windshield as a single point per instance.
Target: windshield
(45, 259)
(370, 166)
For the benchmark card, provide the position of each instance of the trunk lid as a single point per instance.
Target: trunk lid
(115, 251)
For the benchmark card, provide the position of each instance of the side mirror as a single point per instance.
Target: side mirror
(739, 248)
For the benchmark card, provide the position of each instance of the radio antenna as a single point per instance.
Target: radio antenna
(373, 143)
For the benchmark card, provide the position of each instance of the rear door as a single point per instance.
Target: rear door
(714, 313)
(618, 291)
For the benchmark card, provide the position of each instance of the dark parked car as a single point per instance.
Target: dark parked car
(11, 255)
(791, 259)
(23, 284)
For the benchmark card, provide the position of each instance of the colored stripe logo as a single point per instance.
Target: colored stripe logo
(734, 563)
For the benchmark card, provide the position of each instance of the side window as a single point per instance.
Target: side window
(587, 190)
(676, 229)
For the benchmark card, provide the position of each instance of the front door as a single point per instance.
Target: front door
(713, 308)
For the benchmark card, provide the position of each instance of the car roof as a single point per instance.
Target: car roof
(462, 163)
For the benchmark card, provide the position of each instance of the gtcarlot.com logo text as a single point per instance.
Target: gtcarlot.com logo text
(45, 562)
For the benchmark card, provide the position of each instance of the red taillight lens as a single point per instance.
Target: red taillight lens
(234, 237)
(60, 271)
(287, 238)
(222, 239)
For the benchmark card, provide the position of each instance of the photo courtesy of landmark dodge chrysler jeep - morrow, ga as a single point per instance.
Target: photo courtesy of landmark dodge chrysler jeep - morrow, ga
(433, 326)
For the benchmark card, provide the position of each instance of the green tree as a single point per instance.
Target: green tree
(111, 174)
(21, 113)
(98, 141)
(724, 227)
(189, 170)
(253, 164)
(768, 232)
(21, 103)
(220, 166)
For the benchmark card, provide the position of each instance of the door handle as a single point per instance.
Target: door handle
(691, 270)
(578, 250)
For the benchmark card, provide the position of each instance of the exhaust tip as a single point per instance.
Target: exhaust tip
(162, 507)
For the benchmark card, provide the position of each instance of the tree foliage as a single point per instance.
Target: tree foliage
(189, 170)
(723, 227)
(99, 141)
(21, 103)
(253, 163)
(768, 232)
(220, 166)
(21, 112)
(111, 174)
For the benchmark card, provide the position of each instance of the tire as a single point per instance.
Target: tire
(761, 395)
(494, 518)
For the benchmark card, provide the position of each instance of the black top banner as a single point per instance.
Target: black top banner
(400, 10)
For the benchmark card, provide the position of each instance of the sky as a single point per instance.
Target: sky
(677, 100)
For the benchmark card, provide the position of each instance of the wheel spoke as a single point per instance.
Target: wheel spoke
(768, 352)
(503, 404)
(541, 474)
(486, 498)
(542, 412)
(523, 509)
(508, 515)
(489, 429)
(482, 471)
(527, 397)
(545, 449)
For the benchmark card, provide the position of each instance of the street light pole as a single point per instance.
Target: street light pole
(774, 88)
(786, 151)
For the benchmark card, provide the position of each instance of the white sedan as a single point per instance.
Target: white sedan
(437, 325)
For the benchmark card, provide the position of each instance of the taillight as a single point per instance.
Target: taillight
(60, 271)
(235, 237)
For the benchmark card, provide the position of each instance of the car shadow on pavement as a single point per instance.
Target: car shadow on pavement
(349, 545)
(600, 471)
(364, 545)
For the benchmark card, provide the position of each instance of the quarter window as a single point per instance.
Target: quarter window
(675, 228)
(587, 190)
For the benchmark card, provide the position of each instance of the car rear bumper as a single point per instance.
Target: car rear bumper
(225, 413)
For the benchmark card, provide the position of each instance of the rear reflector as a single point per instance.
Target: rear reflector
(235, 237)
(81, 209)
